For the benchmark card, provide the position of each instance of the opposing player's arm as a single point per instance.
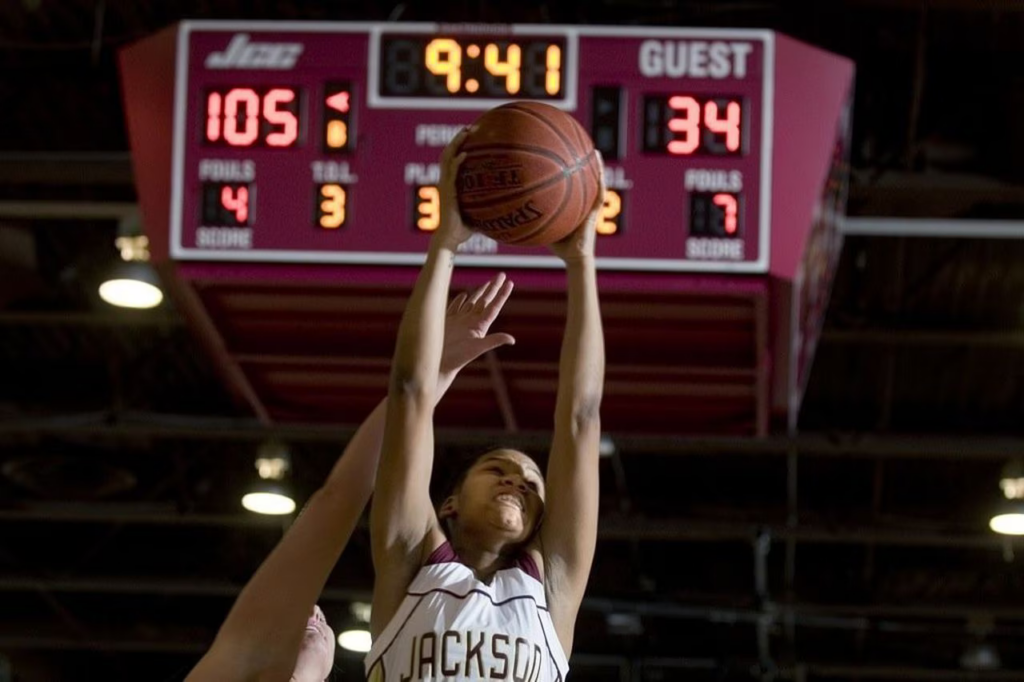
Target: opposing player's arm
(402, 517)
(261, 636)
(569, 533)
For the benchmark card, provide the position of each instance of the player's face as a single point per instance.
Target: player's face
(316, 654)
(504, 490)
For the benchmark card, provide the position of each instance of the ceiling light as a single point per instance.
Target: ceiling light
(624, 624)
(361, 611)
(1009, 516)
(273, 460)
(1012, 480)
(132, 282)
(355, 640)
(132, 285)
(270, 494)
(1009, 522)
(270, 501)
(980, 656)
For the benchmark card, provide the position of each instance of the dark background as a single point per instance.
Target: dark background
(855, 549)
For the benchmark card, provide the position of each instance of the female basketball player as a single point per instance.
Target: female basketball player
(496, 597)
(274, 630)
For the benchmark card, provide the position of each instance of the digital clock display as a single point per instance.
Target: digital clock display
(478, 67)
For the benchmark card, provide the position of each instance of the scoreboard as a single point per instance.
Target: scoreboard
(319, 142)
(287, 179)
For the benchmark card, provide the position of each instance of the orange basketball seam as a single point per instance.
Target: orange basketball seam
(518, 147)
(547, 123)
(580, 140)
(567, 173)
(512, 196)
(467, 198)
(543, 226)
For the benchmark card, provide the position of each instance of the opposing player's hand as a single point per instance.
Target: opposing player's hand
(580, 242)
(316, 653)
(468, 320)
(451, 231)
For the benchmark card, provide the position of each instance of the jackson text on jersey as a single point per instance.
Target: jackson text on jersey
(452, 627)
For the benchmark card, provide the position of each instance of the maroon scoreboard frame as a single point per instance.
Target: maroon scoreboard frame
(318, 143)
(363, 110)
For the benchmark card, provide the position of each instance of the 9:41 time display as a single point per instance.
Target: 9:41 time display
(477, 67)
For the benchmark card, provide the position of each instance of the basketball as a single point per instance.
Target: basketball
(530, 174)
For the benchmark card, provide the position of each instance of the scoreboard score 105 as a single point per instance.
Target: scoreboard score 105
(319, 142)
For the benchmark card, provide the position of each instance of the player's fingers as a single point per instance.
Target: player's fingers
(494, 287)
(497, 301)
(599, 199)
(476, 294)
(456, 144)
(457, 303)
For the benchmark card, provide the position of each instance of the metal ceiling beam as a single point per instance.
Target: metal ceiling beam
(959, 5)
(934, 227)
(161, 587)
(136, 318)
(593, 660)
(690, 530)
(822, 444)
(67, 210)
(149, 646)
(925, 337)
(824, 615)
(896, 672)
(66, 168)
(888, 337)
(611, 528)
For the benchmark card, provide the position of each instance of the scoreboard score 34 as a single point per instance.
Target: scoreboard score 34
(318, 143)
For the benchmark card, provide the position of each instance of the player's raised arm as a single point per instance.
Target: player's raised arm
(402, 516)
(569, 533)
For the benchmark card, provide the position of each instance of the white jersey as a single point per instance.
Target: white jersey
(452, 627)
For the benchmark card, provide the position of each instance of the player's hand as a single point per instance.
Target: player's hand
(579, 244)
(451, 231)
(469, 317)
(316, 653)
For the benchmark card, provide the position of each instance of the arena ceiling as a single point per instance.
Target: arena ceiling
(853, 548)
